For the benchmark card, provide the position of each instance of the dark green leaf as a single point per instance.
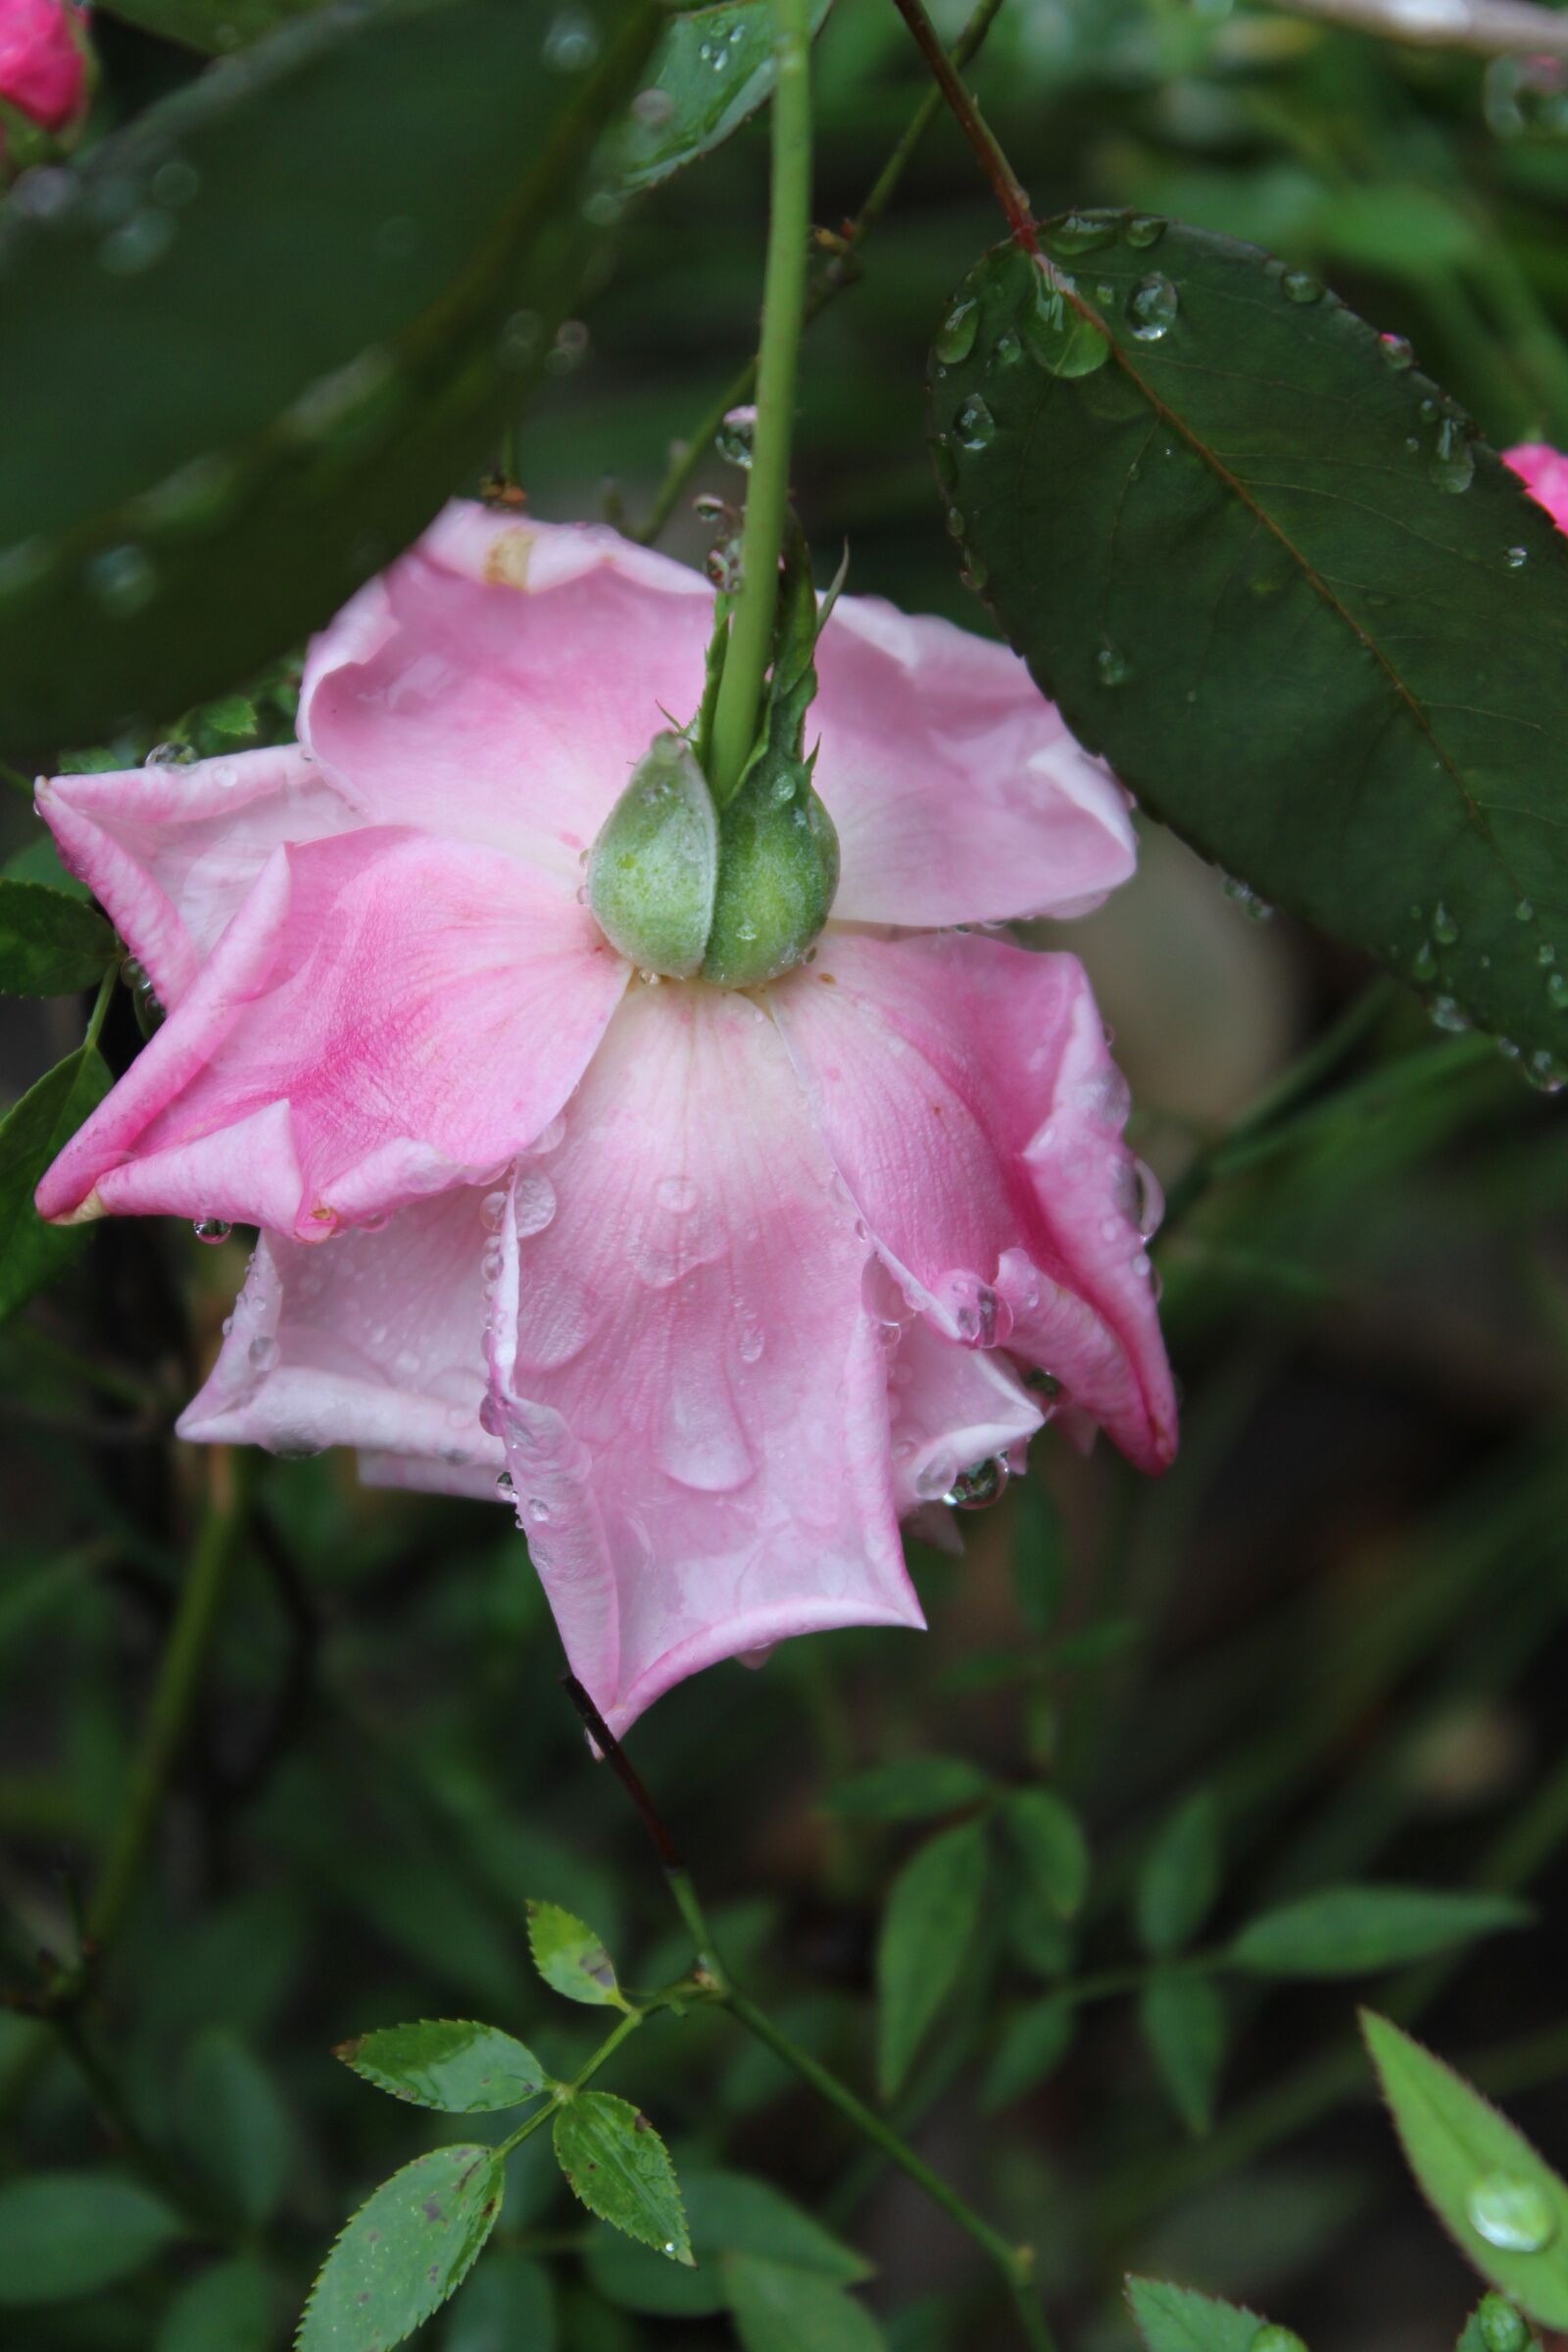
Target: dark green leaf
(912, 1788)
(236, 2127)
(1351, 1931)
(49, 943)
(1033, 2044)
(274, 438)
(778, 2307)
(1505, 2209)
(929, 1924)
(64, 2234)
(1184, 2025)
(1047, 1838)
(712, 68)
(508, 2306)
(1172, 2319)
(230, 2306)
(1039, 1555)
(727, 2213)
(616, 2161)
(571, 1957)
(408, 2247)
(32, 1131)
(213, 27)
(1225, 533)
(1180, 1877)
(41, 862)
(1497, 2326)
(462, 2067)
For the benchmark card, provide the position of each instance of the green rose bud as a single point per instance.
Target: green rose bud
(778, 870)
(654, 870)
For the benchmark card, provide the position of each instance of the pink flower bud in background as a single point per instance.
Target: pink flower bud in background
(43, 60)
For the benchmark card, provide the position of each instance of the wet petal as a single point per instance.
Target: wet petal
(689, 1383)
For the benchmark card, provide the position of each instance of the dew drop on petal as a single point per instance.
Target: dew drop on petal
(212, 1228)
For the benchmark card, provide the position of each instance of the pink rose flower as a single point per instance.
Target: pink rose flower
(1543, 473)
(43, 65)
(721, 1286)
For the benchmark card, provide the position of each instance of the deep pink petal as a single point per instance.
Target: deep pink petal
(502, 680)
(387, 1016)
(958, 795)
(171, 852)
(1543, 471)
(374, 1339)
(43, 66)
(964, 1090)
(688, 1378)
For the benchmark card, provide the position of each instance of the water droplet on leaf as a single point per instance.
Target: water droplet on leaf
(1453, 465)
(736, 435)
(1112, 664)
(1152, 308)
(1144, 229)
(1300, 286)
(1396, 352)
(955, 337)
(1511, 2212)
(1445, 930)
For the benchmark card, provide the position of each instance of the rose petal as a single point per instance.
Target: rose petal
(171, 852)
(965, 1093)
(690, 1389)
(1543, 471)
(958, 795)
(388, 1016)
(374, 1339)
(505, 679)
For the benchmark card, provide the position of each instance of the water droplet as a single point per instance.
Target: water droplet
(736, 436)
(981, 1484)
(976, 424)
(677, 1194)
(1511, 2212)
(1396, 352)
(1112, 666)
(1272, 2338)
(1446, 1014)
(1423, 962)
(1300, 286)
(1546, 1072)
(212, 1228)
(1152, 308)
(1058, 336)
(1546, 953)
(123, 579)
(1081, 232)
(171, 755)
(137, 243)
(1557, 991)
(1144, 229)
(955, 337)
(1516, 557)
(653, 108)
(1045, 1383)
(1445, 930)
(1452, 465)
(571, 42)
(1524, 912)
(1500, 2327)
(533, 1205)
(176, 181)
(1243, 895)
(504, 1480)
(264, 1351)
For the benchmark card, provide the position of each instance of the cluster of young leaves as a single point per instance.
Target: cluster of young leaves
(1269, 570)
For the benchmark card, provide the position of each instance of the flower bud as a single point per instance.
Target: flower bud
(654, 870)
(778, 870)
(43, 65)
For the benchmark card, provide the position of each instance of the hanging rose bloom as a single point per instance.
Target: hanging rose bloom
(719, 1284)
(43, 64)
(1543, 471)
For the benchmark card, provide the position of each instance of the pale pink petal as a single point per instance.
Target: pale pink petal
(171, 851)
(958, 795)
(950, 1407)
(689, 1382)
(1543, 471)
(505, 679)
(373, 1340)
(965, 1093)
(386, 1017)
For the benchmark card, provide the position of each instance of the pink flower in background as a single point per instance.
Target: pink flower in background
(720, 1286)
(1543, 473)
(43, 65)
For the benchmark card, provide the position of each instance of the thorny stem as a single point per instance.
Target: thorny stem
(751, 633)
(712, 1980)
(1010, 192)
(840, 272)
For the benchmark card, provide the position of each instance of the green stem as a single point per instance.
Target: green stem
(1014, 2263)
(101, 1005)
(173, 1697)
(1009, 191)
(842, 271)
(685, 1988)
(750, 635)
